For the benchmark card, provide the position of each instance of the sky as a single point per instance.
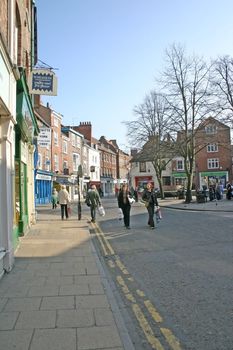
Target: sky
(108, 53)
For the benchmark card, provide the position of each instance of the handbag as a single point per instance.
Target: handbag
(69, 211)
(101, 210)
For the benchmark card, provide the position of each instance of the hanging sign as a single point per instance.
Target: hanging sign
(43, 82)
(44, 137)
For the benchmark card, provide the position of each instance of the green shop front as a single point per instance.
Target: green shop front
(25, 130)
(208, 178)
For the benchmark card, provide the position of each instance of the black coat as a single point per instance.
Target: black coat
(150, 197)
(121, 203)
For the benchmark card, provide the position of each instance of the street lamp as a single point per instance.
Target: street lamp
(79, 174)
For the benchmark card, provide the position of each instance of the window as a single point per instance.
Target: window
(65, 147)
(47, 163)
(142, 167)
(55, 121)
(39, 161)
(55, 136)
(212, 147)
(75, 161)
(211, 129)
(73, 139)
(213, 163)
(180, 164)
(166, 180)
(56, 167)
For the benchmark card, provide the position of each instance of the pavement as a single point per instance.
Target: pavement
(223, 205)
(57, 297)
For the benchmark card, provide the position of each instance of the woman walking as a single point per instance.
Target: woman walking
(64, 200)
(124, 204)
(54, 198)
(150, 199)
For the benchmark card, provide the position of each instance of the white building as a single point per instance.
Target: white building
(8, 77)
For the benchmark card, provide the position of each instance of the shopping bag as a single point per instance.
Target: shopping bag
(131, 200)
(101, 210)
(158, 214)
(69, 211)
(120, 214)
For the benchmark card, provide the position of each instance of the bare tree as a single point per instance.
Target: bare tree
(149, 132)
(222, 85)
(186, 83)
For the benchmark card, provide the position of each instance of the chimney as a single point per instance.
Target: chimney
(85, 128)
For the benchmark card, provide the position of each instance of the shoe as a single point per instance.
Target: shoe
(152, 227)
(128, 228)
(93, 221)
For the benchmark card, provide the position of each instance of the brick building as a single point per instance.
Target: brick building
(213, 161)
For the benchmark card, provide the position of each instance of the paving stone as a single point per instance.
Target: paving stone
(75, 318)
(96, 288)
(86, 279)
(59, 280)
(18, 291)
(36, 319)
(98, 338)
(79, 270)
(22, 304)
(15, 340)
(7, 320)
(43, 291)
(75, 289)
(47, 273)
(92, 268)
(3, 302)
(54, 339)
(91, 301)
(60, 302)
(103, 317)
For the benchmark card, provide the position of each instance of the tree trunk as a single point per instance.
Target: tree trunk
(188, 198)
(161, 188)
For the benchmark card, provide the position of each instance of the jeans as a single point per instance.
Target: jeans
(151, 211)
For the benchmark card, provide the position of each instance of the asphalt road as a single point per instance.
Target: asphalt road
(174, 282)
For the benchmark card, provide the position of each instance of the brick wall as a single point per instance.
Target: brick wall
(4, 21)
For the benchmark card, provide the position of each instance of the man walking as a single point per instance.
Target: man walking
(63, 198)
(93, 199)
(150, 199)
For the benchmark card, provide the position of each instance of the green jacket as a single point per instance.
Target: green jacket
(93, 198)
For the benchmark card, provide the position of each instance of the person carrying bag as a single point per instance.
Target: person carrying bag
(149, 198)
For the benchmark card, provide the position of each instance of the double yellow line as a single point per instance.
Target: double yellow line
(154, 342)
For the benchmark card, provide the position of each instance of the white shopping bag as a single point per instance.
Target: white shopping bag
(101, 210)
(120, 214)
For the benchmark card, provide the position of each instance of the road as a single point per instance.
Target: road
(174, 283)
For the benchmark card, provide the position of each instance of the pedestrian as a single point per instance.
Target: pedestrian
(124, 204)
(64, 200)
(93, 201)
(54, 198)
(149, 198)
(229, 191)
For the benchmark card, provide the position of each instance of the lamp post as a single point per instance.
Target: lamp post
(79, 174)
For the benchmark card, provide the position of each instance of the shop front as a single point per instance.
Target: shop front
(208, 178)
(43, 187)
(26, 129)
